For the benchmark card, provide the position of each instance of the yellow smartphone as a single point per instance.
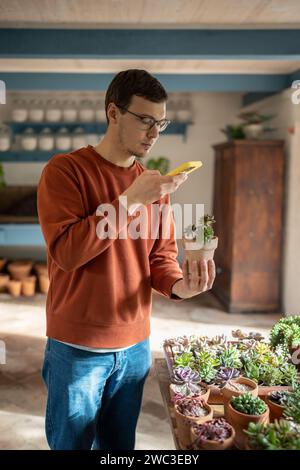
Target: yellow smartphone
(187, 168)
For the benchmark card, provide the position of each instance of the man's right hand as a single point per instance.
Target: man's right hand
(150, 186)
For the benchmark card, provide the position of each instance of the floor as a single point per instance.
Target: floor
(22, 393)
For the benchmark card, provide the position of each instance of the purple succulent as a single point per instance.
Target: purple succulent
(214, 430)
(225, 374)
(185, 374)
(190, 406)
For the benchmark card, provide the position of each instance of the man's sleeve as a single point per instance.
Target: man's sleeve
(70, 234)
(164, 267)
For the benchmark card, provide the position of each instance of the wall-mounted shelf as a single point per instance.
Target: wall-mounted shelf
(21, 235)
(12, 156)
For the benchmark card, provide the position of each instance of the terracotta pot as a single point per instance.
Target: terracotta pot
(206, 252)
(44, 283)
(276, 411)
(28, 286)
(263, 390)
(19, 269)
(240, 423)
(184, 423)
(2, 263)
(202, 395)
(41, 268)
(212, 445)
(215, 396)
(228, 392)
(14, 288)
(4, 278)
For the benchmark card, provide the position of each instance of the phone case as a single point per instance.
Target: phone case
(187, 167)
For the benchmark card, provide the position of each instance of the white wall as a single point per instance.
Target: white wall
(287, 123)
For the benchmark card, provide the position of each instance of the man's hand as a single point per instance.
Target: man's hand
(201, 279)
(150, 186)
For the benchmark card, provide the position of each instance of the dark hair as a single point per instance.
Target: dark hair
(134, 82)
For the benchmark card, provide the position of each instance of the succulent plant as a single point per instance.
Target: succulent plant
(230, 357)
(242, 335)
(190, 406)
(292, 406)
(248, 404)
(185, 375)
(225, 374)
(279, 397)
(286, 331)
(186, 359)
(280, 435)
(194, 232)
(214, 430)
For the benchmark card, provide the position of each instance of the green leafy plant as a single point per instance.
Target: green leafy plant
(254, 117)
(161, 164)
(193, 232)
(292, 406)
(286, 332)
(230, 357)
(233, 132)
(206, 365)
(185, 359)
(280, 435)
(248, 404)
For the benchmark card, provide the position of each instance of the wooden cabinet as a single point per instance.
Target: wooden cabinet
(248, 208)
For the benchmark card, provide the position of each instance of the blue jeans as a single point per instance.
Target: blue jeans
(94, 399)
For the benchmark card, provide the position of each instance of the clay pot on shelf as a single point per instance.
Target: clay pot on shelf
(14, 288)
(28, 286)
(19, 269)
(228, 391)
(4, 278)
(2, 263)
(41, 268)
(276, 410)
(44, 283)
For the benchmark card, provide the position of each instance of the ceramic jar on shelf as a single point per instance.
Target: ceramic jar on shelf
(46, 140)
(69, 111)
(86, 111)
(5, 138)
(19, 112)
(63, 139)
(53, 112)
(29, 140)
(36, 111)
(78, 138)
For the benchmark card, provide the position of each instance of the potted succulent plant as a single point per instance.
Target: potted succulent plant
(242, 410)
(292, 406)
(254, 123)
(199, 241)
(286, 332)
(280, 435)
(216, 434)
(276, 401)
(237, 387)
(185, 383)
(234, 132)
(188, 411)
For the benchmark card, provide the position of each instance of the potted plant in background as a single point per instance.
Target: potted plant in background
(241, 411)
(286, 333)
(234, 132)
(254, 123)
(161, 164)
(188, 411)
(199, 241)
(216, 434)
(292, 406)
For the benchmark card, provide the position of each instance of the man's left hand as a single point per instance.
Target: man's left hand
(201, 279)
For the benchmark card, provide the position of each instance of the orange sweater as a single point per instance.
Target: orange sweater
(100, 289)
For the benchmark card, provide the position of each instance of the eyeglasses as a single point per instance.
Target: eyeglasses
(148, 122)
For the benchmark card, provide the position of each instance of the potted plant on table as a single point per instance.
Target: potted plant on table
(199, 241)
(188, 411)
(186, 383)
(241, 411)
(280, 435)
(276, 401)
(216, 434)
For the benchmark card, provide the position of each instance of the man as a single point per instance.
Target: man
(97, 356)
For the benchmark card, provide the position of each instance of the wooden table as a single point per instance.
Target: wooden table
(163, 377)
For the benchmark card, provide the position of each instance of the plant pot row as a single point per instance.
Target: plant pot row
(19, 280)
